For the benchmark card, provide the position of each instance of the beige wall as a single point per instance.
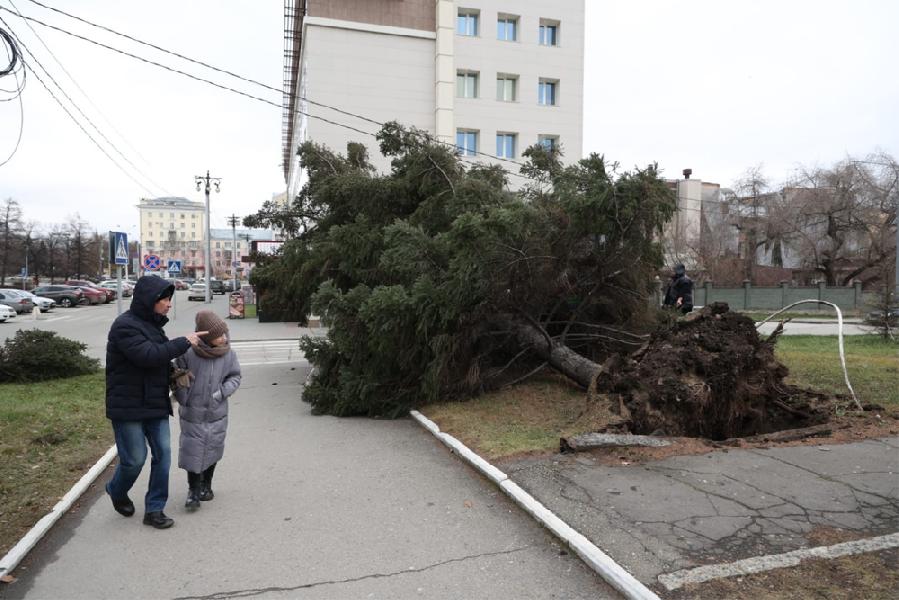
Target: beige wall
(412, 14)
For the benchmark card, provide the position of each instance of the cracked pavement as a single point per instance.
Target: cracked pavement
(311, 507)
(723, 506)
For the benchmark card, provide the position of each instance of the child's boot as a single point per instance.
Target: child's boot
(206, 486)
(194, 487)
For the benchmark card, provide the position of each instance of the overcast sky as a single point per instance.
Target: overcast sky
(714, 86)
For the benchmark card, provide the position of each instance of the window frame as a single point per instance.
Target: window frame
(507, 136)
(507, 21)
(545, 24)
(462, 149)
(468, 75)
(471, 16)
(553, 138)
(542, 85)
(504, 77)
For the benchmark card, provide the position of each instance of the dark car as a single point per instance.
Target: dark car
(882, 317)
(64, 295)
(109, 293)
(216, 286)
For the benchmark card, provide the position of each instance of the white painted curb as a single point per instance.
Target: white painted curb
(596, 559)
(40, 529)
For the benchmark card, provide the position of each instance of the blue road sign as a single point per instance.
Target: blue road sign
(118, 247)
(174, 266)
(152, 262)
(23, 272)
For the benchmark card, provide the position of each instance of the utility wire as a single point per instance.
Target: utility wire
(67, 111)
(87, 97)
(232, 74)
(15, 66)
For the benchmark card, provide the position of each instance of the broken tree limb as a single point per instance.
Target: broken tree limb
(787, 435)
(579, 443)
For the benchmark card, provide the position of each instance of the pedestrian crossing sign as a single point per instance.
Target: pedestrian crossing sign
(118, 248)
(174, 266)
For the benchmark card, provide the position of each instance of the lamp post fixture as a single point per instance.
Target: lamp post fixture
(208, 181)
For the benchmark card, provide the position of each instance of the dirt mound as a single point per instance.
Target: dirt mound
(711, 376)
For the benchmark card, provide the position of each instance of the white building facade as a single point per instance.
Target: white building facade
(490, 76)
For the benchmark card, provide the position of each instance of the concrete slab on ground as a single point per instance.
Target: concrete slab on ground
(687, 511)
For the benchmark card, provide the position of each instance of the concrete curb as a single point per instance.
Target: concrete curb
(40, 529)
(614, 574)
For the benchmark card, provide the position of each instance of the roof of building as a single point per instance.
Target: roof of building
(172, 202)
(228, 234)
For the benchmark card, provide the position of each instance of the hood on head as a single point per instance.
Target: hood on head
(680, 270)
(149, 290)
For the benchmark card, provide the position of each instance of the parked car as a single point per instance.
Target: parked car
(6, 313)
(879, 317)
(15, 300)
(180, 284)
(91, 295)
(197, 292)
(109, 294)
(65, 296)
(217, 286)
(127, 288)
(44, 304)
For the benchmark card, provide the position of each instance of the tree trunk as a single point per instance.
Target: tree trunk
(561, 358)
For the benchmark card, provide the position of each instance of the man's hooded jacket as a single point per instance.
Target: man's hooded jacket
(138, 356)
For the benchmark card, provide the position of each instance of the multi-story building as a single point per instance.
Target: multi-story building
(228, 255)
(173, 228)
(489, 76)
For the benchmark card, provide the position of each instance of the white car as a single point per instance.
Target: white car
(6, 313)
(44, 304)
(127, 286)
(197, 290)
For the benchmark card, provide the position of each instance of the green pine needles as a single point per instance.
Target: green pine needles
(418, 273)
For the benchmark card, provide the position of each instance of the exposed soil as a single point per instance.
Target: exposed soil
(708, 376)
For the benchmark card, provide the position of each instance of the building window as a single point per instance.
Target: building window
(467, 142)
(193, 235)
(507, 28)
(182, 225)
(193, 216)
(548, 92)
(171, 215)
(550, 142)
(549, 32)
(218, 244)
(506, 88)
(466, 84)
(182, 235)
(227, 244)
(218, 253)
(467, 22)
(505, 145)
(193, 225)
(150, 243)
(182, 215)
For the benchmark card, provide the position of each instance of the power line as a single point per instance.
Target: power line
(68, 112)
(13, 68)
(87, 97)
(231, 74)
(78, 108)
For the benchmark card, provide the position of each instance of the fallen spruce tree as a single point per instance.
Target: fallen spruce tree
(437, 282)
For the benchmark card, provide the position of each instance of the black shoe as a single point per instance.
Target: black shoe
(193, 499)
(124, 507)
(158, 520)
(206, 494)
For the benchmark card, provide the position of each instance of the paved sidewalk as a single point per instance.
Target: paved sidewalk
(312, 507)
(719, 507)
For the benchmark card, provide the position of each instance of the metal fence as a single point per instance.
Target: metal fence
(749, 297)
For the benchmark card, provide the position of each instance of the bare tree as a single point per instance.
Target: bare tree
(10, 234)
(842, 219)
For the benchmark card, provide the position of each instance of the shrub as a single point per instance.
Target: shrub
(36, 355)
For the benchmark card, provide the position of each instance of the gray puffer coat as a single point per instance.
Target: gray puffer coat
(204, 408)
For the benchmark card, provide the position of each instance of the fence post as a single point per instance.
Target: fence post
(708, 292)
(784, 286)
(858, 294)
(747, 291)
(822, 291)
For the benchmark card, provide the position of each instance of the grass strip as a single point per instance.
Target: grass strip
(51, 433)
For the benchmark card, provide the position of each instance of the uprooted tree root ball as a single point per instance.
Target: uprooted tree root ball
(711, 376)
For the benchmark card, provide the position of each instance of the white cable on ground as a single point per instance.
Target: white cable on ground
(839, 338)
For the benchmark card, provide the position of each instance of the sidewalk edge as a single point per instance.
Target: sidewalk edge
(613, 573)
(40, 529)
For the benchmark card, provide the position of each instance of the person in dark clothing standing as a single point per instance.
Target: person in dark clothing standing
(679, 294)
(138, 360)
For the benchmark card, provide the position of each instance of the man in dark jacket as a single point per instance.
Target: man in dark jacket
(679, 294)
(138, 359)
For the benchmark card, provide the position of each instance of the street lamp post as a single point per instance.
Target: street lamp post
(207, 180)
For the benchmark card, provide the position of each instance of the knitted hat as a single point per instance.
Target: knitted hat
(211, 322)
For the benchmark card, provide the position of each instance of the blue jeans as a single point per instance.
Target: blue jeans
(131, 439)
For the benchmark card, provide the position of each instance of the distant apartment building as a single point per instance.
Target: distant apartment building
(698, 228)
(228, 255)
(491, 77)
(173, 228)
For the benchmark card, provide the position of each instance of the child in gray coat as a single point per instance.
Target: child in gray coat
(210, 374)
